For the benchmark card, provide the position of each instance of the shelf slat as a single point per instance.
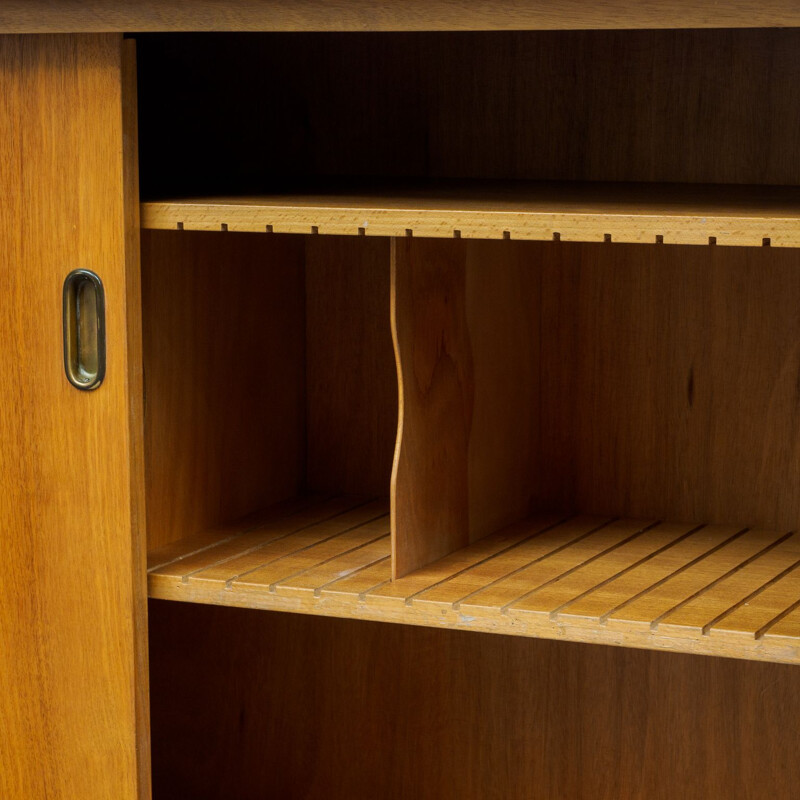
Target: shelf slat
(687, 588)
(581, 212)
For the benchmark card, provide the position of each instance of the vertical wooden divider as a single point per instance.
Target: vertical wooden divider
(465, 329)
(429, 497)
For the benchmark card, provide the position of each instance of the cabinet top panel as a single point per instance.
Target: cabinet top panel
(51, 16)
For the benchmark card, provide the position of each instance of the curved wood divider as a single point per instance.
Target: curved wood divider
(616, 380)
(466, 345)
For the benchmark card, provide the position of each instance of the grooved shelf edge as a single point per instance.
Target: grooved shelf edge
(708, 589)
(627, 213)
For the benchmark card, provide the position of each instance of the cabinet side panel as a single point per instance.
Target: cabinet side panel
(69, 555)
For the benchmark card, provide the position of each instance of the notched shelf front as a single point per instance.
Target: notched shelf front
(566, 211)
(708, 589)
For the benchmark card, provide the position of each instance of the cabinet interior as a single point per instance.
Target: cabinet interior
(498, 399)
(269, 375)
(282, 112)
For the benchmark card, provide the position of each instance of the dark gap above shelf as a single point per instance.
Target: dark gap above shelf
(230, 114)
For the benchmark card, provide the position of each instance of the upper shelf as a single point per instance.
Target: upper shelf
(566, 211)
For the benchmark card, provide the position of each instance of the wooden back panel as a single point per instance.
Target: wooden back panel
(224, 345)
(674, 106)
(669, 382)
(261, 704)
(351, 381)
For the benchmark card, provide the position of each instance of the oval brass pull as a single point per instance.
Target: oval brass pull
(84, 329)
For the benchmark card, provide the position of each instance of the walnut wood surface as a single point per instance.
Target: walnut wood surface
(73, 665)
(669, 382)
(430, 479)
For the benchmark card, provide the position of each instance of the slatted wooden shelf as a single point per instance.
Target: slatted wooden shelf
(711, 589)
(584, 212)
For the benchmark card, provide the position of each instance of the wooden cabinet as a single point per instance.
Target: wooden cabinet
(485, 327)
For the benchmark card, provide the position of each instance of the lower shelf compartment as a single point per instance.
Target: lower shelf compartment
(708, 589)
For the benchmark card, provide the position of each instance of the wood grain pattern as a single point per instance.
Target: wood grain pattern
(702, 107)
(135, 364)
(269, 372)
(609, 380)
(636, 583)
(430, 479)
(351, 383)
(224, 345)
(42, 16)
(467, 344)
(502, 292)
(627, 213)
(669, 383)
(254, 704)
(73, 674)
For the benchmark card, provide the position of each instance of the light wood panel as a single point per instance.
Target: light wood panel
(351, 382)
(255, 704)
(466, 341)
(73, 660)
(683, 587)
(41, 16)
(224, 351)
(627, 213)
(430, 478)
(666, 107)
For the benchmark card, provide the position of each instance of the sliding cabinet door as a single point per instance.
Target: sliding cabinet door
(73, 690)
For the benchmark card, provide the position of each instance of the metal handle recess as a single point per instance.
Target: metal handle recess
(84, 329)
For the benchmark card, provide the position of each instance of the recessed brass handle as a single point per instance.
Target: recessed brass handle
(84, 329)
